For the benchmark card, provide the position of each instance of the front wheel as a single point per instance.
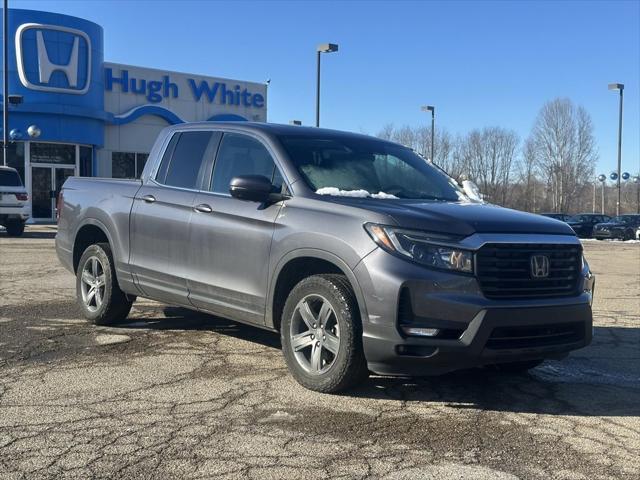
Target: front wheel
(322, 334)
(97, 290)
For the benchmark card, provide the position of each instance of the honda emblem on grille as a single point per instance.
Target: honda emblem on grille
(539, 266)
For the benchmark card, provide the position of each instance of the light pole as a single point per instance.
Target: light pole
(5, 83)
(602, 178)
(620, 88)
(432, 109)
(322, 48)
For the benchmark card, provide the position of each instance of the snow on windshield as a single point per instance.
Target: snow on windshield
(336, 192)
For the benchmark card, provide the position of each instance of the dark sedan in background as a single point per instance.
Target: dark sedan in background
(558, 216)
(622, 227)
(583, 223)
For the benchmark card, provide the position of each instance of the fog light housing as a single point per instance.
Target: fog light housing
(420, 331)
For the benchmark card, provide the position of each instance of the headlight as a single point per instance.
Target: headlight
(427, 249)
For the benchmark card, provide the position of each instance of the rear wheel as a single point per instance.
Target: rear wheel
(322, 334)
(518, 367)
(97, 290)
(628, 235)
(15, 228)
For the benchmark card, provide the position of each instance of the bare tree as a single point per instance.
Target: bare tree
(387, 132)
(565, 150)
(488, 155)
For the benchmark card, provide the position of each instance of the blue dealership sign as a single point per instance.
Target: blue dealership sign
(53, 58)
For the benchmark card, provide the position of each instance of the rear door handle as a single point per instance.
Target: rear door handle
(149, 198)
(203, 208)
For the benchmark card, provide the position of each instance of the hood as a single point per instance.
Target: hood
(458, 218)
(612, 225)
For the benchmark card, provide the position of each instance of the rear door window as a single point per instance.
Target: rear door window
(184, 159)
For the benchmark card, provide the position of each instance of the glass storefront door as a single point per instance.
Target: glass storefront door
(46, 182)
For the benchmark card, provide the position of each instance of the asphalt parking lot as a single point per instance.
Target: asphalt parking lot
(177, 394)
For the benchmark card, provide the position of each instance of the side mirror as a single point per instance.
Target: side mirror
(254, 188)
(472, 191)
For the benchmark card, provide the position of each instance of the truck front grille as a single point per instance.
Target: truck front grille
(536, 336)
(505, 270)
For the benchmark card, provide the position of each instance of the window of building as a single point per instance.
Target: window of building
(52, 153)
(128, 164)
(86, 161)
(242, 155)
(187, 160)
(15, 157)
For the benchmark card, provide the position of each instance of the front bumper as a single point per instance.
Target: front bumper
(608, 234)
(455, 303)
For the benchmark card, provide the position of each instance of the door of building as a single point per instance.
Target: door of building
(46, 182)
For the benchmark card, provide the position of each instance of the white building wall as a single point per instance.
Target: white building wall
(138, 136)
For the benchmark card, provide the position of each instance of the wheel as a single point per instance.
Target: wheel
(518, 367)
(322, 334)
(100, 298)
(15, 228)
(628, 235)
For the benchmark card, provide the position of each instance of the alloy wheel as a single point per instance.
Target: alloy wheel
(92, 283)
(315, 334)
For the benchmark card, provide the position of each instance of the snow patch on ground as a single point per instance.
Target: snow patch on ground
(336, 192)
(611, 240)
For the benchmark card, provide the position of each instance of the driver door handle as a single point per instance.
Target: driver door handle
(149, 198)
(203, 208)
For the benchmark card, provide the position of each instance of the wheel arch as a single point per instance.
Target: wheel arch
(300, 264)
(89, 232)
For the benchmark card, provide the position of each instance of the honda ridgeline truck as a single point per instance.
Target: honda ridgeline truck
(361, 254)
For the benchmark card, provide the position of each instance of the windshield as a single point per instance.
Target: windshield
(624, 219)
(362, 167)
(10, 178)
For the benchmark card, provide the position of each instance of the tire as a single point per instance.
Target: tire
(518, 367)
(15, 228)
(108, 304)
(332, 358)
(628, 235)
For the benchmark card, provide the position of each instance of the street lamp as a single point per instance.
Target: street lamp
(602, 178)
(636, 180)
(620, 88)
(432, 109)
(322, 48)
(5, 81)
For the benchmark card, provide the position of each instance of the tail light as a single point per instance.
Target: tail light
(59, 203)
(23, 197)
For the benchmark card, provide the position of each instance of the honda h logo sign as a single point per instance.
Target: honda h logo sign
(539, 266)
(51, 58)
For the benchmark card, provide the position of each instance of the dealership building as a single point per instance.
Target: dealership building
(72, 113)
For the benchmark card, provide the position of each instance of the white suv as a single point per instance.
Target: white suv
(14, 209)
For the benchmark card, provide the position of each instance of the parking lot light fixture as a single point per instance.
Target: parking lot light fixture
(620, 88)
(322, 48)
(602, 178)
(432, 109)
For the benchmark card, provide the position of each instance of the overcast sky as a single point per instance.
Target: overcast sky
(480, 63)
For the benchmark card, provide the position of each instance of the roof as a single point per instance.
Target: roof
(288, 130)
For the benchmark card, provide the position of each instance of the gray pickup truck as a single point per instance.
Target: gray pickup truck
(361, 254)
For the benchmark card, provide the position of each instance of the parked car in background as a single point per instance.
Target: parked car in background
(623, 227)
(558, 216)
(583, 223)
(14, 210)
(361, 254)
